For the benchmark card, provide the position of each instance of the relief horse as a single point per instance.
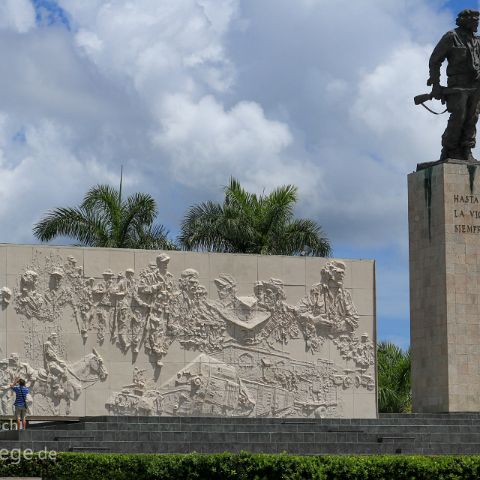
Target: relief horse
(89, 370)
(50, 391)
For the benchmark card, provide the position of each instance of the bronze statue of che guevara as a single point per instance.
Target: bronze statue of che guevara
(461, 48)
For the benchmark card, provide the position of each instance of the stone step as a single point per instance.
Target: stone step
(417, 434)
(420, 443)
(64, 438)
(234, 426)
(306, 448)
(97, 449)
(430, 415)
(219, 447)
(444, 428)
(436, 435)
(383, 418)
(333, 435)
(421, 440)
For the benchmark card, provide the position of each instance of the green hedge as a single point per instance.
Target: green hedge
(243, 466)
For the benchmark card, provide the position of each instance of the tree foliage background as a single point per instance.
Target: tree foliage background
(249, 223)
(105, 219)
(394, 384)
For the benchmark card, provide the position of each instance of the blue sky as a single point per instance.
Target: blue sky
(185, 94)
(458, 5)
(49, 13)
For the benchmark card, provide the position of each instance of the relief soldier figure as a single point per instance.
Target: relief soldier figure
(121, 329)
(104, 301)
(57, 296)
(138, 310)
(155, 289)
(272, 297)
(157, 281)
(54, 365)
(86, 307)
(29, 301)
(11, 368)
(329, 308)
(157, 343)
(461, 48)
(227, 291)
(206, 331)
(72, 270)
(5, 297)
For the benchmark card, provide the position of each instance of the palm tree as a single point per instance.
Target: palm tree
(394, 387)
(104, 219)
(247, 223)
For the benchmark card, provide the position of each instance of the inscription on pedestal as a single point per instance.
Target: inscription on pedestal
(466, 211)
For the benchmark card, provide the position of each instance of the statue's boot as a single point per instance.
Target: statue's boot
(444, 155)
(452, 153)
(467, 153)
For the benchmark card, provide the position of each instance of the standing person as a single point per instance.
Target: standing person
(21, 392)
(461, 49)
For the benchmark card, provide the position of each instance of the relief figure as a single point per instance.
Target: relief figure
(250, 358)
(10, 369)
(29, 301)
(328, 310)
(57, 296)
(104, 301)
(60, 383)
(5, 297)
(85, 308)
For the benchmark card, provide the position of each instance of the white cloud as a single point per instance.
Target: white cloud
(24, 179)
(206, 143)
(385, 108)
(196, 91)
(17, 15)
(89, 41)
(317, 93)
(158, 45)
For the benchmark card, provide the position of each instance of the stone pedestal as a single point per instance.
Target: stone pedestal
(444, 232)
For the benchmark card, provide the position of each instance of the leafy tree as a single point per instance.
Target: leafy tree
(105, 219)
(249, 223)
(394, 387)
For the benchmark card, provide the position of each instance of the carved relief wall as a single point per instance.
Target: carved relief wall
(123, 332)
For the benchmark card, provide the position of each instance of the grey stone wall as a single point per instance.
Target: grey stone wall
(444, 223)
(130, 332)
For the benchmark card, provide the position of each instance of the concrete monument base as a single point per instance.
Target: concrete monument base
(97, 331)
(444, 232)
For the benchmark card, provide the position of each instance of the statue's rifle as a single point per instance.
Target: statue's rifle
(440, 93)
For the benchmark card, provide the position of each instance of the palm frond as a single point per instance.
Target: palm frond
(138, 211)
(103, 197)
(239, 199)
(301, 234)
(247, 223)
(154, 237)
(102, 220)
(104, 200)
(277, 211)
(79, 223)
(201, 228)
